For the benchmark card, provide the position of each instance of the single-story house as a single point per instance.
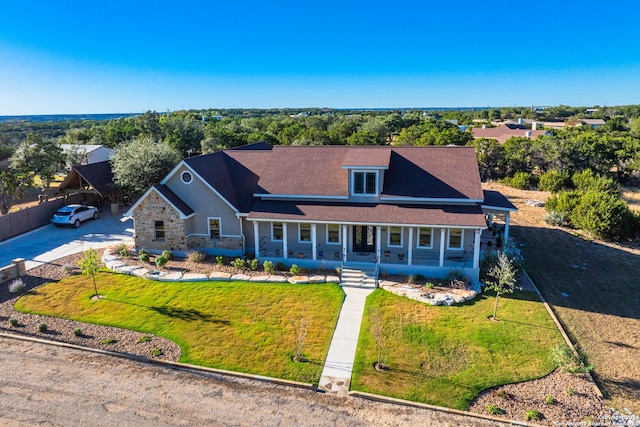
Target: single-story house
(504, 132)
(88, 153)
(408, 209)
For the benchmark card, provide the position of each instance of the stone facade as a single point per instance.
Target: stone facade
(16, 269)
(222, 243)
(155, 208)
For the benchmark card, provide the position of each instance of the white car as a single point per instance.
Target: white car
(74, 215)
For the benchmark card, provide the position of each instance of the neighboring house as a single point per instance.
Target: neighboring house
(87, 153)
(412, 209)
(592, 123)
(504, 132)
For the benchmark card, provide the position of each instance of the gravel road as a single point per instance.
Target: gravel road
(46, 385)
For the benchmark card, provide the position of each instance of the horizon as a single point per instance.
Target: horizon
(85, 58)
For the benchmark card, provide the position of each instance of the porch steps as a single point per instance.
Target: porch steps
(358, 277)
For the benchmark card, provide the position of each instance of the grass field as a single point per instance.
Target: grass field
(447, 355)
(594, 288)
(238, 326)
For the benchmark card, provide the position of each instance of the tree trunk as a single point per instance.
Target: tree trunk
(495, 308)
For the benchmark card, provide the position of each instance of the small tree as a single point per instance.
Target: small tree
(300, 329)
(380, 335)
(90, 265)
(501, 278)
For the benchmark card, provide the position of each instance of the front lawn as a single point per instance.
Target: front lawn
(239, 326)
(446, 355)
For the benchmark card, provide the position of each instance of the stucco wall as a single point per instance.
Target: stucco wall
(155, 208)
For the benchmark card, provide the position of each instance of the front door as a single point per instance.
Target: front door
(364, 238)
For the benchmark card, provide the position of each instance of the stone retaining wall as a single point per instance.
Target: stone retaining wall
(12, 271)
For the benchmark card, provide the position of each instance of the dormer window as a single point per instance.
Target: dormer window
(365, 183)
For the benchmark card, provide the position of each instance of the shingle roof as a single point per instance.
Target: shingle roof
(497, 200)
(367, 157)
(98, 175)
(174, 199)
(380, 213)
(502, 133)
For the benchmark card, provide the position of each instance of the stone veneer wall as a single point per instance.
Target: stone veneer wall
(155, 208)
(225, 243)
(16, 269)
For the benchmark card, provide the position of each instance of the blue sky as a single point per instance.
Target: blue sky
(132, 56)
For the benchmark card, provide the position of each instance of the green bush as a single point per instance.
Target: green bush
(555, 218)
(196, 256)
(295, 270)
(167, 254)
(532, 415)
(494, 410)
(42, 327)
(549, 400)
(605, 216)
(429, 285)
(568, 360)
(238, 263)
(157, 352)
(253, 264)
(520, 180)
(268, 267)
(220, 260)
(144, 257)
(122, 249)
(109, 341)
(571, 391)
(77, 332)
(587, 180)
(554, 181)
(161, 261)
(13, 322)
(563, 202)
(143, 339)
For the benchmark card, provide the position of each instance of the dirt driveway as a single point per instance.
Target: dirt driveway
(47, 385)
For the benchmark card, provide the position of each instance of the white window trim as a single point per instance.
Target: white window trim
(401, 245)
(461, 240)
(339, 242)
(219, 226)
(182, 179)
(418, 238)
(300, 234)
(353, 183)
(273, 239)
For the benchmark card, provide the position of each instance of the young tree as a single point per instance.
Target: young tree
(90, 265)
(300, 329)
(501, 278)
(141, 163)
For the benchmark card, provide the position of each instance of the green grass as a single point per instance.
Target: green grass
(237, 326)
(447, 355)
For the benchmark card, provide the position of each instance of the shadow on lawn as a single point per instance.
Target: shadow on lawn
(576, 273)
(187, 314)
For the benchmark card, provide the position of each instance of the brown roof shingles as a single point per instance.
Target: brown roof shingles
(367, 157)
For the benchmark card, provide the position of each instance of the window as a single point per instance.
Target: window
(455, 238)
(395, 236)
(424, 238)
(304, 232)
(276, 232)
(365, 183)
(159, 230)
(186, 177)
(214, 228)
(333, 233)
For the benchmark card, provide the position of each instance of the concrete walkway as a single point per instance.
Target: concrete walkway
(336, 375)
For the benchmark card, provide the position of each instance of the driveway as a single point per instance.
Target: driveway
(48, 243)
(42, 384)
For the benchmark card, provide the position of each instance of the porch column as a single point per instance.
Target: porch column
(410, 250)
(344, 243)
(442, 236)
(256, 238)
(506, 229)
(285, 246)
(476, 248)
(313, 242)
(378, 237)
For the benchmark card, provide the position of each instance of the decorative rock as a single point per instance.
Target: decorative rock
(298, 279)
(194, 277)
(219, 275)
(140, 272)
(113, 265)
(127, 269)
(259, 279)
(317, 279)
(171, 277)
(106, 258)
(277, 279)
(242, 277)
(332, 279)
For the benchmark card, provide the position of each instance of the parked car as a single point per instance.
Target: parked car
(74, 215)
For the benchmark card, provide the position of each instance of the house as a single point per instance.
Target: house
(592, 123)
(88, 153)
(408, 209)
(504, 132)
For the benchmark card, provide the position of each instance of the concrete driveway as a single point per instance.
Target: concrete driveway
(48, 243)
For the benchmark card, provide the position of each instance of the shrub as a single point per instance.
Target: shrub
(238, 263)
(143, 251)
(604, 215)
(253, 265)
(143, 339)
(520, 180)
(67, 268)
(196, 256)
(109, 341)
(564, 201)
(144, 257)
(157, 352)
(42, 327)
(268, 267)
(555, 218)
(167, 254)
(429, 285)
(532, 415)
(503, 394)
(571, 391)
(77, 332)
(587, 180)
(549, 400)
(554, 181)
(161, 261)
(494, 410)
(13, 322)
(17, 286)
(295, 270)
(569, 360)
(122, 249)
(220, 260)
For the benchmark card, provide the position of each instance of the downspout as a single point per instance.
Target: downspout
(244, 252)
